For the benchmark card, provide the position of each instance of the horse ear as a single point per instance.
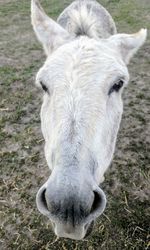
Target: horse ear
(48, 32)
(128, 44)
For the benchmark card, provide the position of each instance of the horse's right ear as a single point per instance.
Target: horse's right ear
(48, 32)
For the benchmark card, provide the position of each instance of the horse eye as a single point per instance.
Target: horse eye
(44, 87)
(116, 87)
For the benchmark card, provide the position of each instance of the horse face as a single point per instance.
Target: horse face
(82, 79)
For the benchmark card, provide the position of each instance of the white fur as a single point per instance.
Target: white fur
(80, 120)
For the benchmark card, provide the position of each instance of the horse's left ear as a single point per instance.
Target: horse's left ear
(128, 44)
(48, 32)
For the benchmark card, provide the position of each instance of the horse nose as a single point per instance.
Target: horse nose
(63, 216)
(41, 201)
(67, 231)
(70, 212)
(67, 208)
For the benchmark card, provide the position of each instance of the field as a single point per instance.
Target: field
(124, 225)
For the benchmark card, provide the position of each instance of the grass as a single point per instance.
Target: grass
(124, 226)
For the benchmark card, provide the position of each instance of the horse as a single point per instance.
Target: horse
(82, 81)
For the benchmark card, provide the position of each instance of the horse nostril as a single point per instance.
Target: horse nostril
(41, 201)
(97, 202)
(43, 198)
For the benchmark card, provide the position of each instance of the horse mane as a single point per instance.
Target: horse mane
(87, 18)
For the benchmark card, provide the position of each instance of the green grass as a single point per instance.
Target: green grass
(124, 226)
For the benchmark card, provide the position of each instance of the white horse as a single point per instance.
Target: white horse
(82, 80)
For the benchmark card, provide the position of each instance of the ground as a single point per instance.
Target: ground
(124, 225)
